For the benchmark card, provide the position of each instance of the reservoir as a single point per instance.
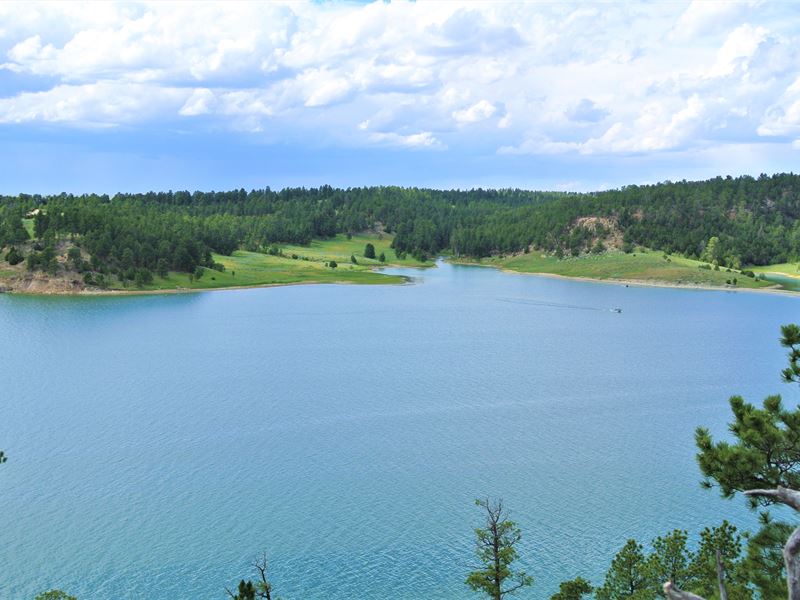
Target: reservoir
(158, 444)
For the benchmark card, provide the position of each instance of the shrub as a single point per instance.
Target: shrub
(14, 256)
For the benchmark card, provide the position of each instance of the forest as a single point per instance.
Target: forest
(731, 222)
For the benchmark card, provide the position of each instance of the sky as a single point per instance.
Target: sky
(107, 97)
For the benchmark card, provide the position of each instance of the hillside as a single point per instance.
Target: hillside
(168, 240)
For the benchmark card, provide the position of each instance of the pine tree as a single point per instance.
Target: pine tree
(496, 549)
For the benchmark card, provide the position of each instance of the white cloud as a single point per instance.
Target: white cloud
(600, 79)
(199, 103)
(738, 49)
(94, 104)
(423, 139)
(479, 111)
(783, 117)
(706, 16)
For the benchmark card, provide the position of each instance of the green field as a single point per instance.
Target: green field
(258, 269)
(255, 268)
(644, 266)
(340, 249)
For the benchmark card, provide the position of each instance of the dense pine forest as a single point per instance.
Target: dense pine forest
(729, 221)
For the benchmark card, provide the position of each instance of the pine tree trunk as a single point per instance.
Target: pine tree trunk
(791, 555)
(723, 592)
(791, 551)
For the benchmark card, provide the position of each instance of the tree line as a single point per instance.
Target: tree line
(729, 221)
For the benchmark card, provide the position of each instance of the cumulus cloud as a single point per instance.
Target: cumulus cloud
(479, 111)
(527, 78)
(93, 104)
(586, 111)
(783, 117)
(423, 139)
(705, 16)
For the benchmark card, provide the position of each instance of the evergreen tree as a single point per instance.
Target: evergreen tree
(369, 251)
(574, 589)
(496, 549)
(629, 577)
(14, 256)
(763, 565)
(248, 590)
(672, 561)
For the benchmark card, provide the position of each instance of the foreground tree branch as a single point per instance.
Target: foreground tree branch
(673, 593)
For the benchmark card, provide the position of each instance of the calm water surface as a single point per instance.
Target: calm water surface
(157, 444)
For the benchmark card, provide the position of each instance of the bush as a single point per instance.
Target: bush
(382, 257)
(14, 256)
(369, 251)
(333, 264)
(353, 259)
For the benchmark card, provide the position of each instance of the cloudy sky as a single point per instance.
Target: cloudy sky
(136, 96)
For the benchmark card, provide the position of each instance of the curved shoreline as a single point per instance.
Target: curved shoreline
(96, 292)
(410, 281)
(638, 282)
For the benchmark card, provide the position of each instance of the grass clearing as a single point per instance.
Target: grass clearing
(243, 269)
(340, 249)
(256, 269)
(645, 266)
(28, 224)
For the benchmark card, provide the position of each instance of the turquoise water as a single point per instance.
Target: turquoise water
(158, 444)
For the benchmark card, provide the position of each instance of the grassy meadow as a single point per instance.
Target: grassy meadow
(256, 269)
(642, 266)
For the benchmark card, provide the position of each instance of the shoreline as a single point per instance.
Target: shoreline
(88, 293)
(410, 281)
(639, 282)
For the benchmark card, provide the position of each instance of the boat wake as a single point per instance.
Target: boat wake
(532, 302)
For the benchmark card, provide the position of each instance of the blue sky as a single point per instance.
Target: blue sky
(135, 96)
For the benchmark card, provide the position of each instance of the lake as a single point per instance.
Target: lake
(157, 444)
